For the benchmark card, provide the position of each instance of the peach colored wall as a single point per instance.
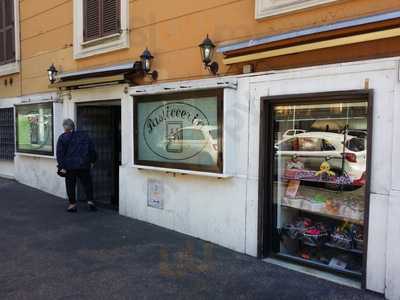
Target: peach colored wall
(171, 29)
(10, 86)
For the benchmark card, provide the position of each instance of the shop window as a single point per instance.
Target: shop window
(265, 8)
(318, 180)
(7, 143)
(180, 131)
(34, 126)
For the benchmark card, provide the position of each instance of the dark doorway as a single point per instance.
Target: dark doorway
(102, 121)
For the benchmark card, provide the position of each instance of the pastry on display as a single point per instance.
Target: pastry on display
(342, 237)
(358, 238)
(332, 207)
(315, 236)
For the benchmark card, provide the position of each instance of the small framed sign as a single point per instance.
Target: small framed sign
(155, 193)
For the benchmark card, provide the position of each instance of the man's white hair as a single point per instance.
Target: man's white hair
(68, 124)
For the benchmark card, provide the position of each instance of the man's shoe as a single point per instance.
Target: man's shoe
(73, 209)
(91, 206)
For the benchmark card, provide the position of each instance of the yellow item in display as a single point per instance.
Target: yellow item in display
(325, 168)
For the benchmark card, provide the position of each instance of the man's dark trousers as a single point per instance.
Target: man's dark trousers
(85, 179)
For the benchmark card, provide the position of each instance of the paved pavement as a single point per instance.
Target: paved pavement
(46, 253)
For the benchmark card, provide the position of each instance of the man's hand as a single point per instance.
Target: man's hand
(92, 165)
(63, 171)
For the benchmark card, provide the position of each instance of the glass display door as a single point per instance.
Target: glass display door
(319, 182)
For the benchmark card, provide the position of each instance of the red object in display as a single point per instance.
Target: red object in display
(351, 157)
(361, 181)
(307, 222)
(313, 231)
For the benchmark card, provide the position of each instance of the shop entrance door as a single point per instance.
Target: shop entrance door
(102, 122)
(315, 187)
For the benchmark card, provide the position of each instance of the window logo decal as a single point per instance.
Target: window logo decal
(176, 131)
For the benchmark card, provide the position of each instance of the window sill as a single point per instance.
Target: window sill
(183, 172)
(267, 8)
(102, 45)
(35, 155)
(9, 69)
(101, 40)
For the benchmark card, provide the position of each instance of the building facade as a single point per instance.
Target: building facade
(287, 152)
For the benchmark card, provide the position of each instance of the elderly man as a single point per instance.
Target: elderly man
(75, 156)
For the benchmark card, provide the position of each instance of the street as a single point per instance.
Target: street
(47, 253)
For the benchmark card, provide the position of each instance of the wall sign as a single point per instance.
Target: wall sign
(180, 131)
(155, 191)
(265, 8)
(34, 128)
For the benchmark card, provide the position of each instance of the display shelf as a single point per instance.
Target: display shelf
(328, 215)
(353, 250)
(333, 182)
(318, 265)
(329, 245)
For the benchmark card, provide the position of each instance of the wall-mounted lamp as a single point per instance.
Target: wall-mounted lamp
(144, 65)
(52, 73)
(207, 48)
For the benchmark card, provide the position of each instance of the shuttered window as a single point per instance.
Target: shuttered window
(7, 142)
(7, 32)
(101, 18)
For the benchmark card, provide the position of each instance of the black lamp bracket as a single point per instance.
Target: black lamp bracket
(213, 67)
(138, 69)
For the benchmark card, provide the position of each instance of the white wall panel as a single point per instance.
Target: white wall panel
(393, 246)
(40, 173)
(376, 260)
(7, 169)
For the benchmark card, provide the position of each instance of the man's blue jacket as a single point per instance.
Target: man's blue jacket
(75, 151)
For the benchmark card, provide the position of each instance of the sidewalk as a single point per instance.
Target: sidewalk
(46, 253)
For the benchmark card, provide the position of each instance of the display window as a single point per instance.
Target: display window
(319, 180)
(34, 128)
(180, 131)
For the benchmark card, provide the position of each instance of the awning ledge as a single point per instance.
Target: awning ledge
(360, 30)
(360, 38)
(184, 86)
(109, 74)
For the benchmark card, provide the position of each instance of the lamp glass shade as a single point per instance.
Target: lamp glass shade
(146, 59)
(207, 48)
(51, 78)
(52, 72)
(147, 65)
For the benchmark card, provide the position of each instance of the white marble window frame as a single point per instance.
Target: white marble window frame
(14, 67)
(266, 8)
(102, 45)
